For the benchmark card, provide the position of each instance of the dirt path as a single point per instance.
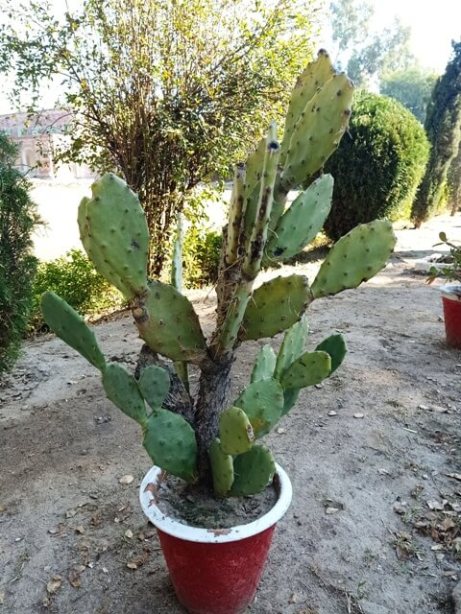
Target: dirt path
(360, 537)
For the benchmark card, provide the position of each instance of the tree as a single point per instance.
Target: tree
(374, 53)
(17, 265)
(454, 183)
(350, 22)
(383, 52)
(443, 127)
(412, 87)
(166, 92)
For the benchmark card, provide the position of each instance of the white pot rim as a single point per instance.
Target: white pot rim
(174, 527)
(451, 291)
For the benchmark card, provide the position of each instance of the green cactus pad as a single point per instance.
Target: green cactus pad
(318, 131)
(253, 471)
(114, 232)
(264, 365)
(335, 346)
(356, 257)
(121, 388)
(309, 369)
(168, 323)
(301, 221)
(235, 431)
(154, 385)
(71, 328)
(290, 396)
(314, 76)
(275, 306)
(222, 469)
(254, 168)
(263, 404)
(292, 346)
(170, 442)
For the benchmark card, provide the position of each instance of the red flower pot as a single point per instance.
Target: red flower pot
(214, 571)
(451, 299)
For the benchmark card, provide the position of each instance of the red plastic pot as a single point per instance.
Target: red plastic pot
(214, 571)
(451, 299)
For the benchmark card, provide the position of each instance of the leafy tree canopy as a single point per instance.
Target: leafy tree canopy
(373, 52)
(166, 92)
(412, 87)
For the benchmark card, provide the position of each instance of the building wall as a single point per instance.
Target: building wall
(37, 137)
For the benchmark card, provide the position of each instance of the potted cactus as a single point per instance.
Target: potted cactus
(449, 267)
(201, 436)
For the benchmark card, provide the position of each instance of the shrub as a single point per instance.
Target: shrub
(378, 166)
(74, 277)
(201, 257)
(17, 264)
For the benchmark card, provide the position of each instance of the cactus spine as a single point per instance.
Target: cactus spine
(215, 442)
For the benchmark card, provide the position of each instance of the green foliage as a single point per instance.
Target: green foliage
(17, 265)
(201, 257)
(454, 183)
(378, 166)
(155, 93)
(443, 127)
(452, 272)
(412, 87)
(74, 278)
(374, 52)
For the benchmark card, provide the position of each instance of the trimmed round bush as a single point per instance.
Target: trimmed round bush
(378, 165)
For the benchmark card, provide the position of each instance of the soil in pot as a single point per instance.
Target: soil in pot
(195, 507)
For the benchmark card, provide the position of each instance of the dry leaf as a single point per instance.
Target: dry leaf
(74, 578)
(54, 585)
(447, 524)
(138, 561)
(80, 529)
(2, 597)
(71, 513)
(126, 479)
(2, 509)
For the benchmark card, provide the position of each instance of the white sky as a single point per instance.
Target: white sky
(434, 23)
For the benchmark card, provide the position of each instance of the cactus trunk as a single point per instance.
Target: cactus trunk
(211, 401)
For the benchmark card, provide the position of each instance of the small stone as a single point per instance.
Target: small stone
(332, 413)
(400, 507)
(423, 407)
(281, 431)
(359, 416)
(126, 479)
(331, 510)
(129, 534)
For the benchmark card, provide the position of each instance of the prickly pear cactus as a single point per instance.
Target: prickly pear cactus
(205, 437)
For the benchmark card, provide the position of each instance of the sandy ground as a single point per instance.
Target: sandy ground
(374, 455)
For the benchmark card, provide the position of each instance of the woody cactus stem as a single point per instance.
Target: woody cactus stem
(254, 247)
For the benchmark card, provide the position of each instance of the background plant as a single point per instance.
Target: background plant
(167, 93)
(378, 165)
(74, 278)
(18, 219)
(443, 127)
(412, 87)
(201, 253)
